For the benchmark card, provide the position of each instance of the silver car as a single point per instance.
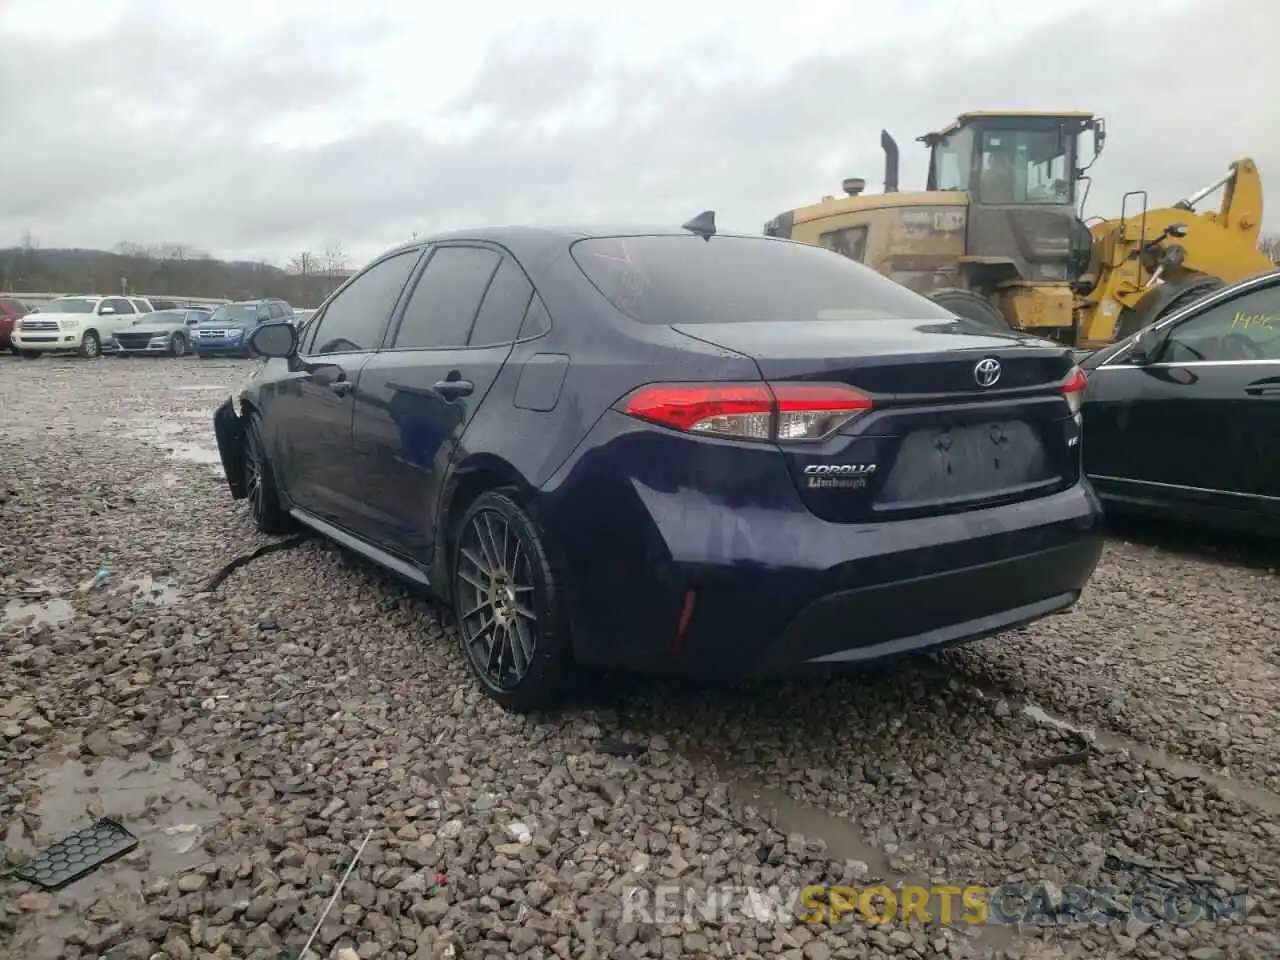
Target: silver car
(165, 332)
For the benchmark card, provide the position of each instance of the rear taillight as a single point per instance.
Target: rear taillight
(750, 411)
(1073, 388)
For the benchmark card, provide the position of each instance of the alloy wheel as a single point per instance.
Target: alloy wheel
(253, 473)
(495, 587)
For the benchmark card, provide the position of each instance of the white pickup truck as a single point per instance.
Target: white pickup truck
(79, 324)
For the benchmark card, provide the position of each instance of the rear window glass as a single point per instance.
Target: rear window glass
(676, 279)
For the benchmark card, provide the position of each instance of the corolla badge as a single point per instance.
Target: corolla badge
(838, 476)
(987, 372)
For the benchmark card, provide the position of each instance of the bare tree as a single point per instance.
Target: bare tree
(1270, 245)
(334, 259)
(28, 242)
(138, 251)
(304, 267)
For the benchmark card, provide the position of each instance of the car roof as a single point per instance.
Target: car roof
(533, 240)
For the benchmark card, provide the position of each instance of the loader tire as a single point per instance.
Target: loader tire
(970, 306)
(1131, 321)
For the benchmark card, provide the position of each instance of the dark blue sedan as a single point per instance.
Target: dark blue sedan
(675, 451)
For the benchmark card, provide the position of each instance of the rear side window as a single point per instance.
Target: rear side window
(679, 279)
(444, 304)
(503, 307)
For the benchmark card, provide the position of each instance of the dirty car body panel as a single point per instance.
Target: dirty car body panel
(1184, 417)
(924, 500)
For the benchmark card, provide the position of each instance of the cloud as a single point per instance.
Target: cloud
(304, 130)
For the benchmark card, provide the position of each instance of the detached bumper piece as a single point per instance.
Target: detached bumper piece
(73, 857)
(228, 428)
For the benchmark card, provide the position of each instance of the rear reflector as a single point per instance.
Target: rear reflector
(750, 411)
(1073, 388)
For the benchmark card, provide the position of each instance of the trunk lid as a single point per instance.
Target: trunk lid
(938, 440)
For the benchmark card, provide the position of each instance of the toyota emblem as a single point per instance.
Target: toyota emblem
(987, 372)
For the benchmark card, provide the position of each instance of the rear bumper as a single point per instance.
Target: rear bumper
(763, 586)
(864, 624)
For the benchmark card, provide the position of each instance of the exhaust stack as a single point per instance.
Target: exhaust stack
(890, 148)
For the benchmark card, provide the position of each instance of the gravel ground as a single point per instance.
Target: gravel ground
(252, 736)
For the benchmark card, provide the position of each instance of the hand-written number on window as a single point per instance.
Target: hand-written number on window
(1246, 320)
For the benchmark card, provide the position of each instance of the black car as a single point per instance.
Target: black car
(1183, 419)
(674, 451)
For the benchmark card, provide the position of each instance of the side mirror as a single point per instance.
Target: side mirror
(274, 340)
(106, 310)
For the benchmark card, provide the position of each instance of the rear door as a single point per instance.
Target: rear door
(309, 422)
(1201, 423)
(416, 398)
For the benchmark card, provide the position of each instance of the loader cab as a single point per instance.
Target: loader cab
(1021, 172)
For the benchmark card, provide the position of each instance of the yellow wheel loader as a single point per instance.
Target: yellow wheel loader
(995, 237)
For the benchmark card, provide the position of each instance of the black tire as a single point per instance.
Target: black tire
(14, 350)
(534, 631)
(970, 306)
(90, 346)
(269, 516)
(1131, 321)
(177, 345)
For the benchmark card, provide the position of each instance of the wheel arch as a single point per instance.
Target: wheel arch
(474, 475)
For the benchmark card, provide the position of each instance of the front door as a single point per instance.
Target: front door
(416, 398)
(313, 408)
(1201, 422)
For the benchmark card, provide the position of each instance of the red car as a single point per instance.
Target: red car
(10, 310)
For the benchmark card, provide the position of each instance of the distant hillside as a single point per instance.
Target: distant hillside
(173, 269)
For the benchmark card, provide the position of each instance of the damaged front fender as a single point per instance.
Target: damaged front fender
(228, 427)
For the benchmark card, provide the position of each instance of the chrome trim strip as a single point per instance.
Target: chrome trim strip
(1182, 486)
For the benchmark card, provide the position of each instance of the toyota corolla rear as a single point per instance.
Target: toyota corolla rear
(872, 476)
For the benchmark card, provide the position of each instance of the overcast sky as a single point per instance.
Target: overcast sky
(259, 128)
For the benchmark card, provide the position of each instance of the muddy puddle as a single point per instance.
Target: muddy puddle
(186, 441)
(844, 841)
(153, 799)
(1257, 797)
(36, 613)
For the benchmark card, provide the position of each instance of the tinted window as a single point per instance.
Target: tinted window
(119, 304)
(536, 319)
(444, 304)
(850, 242)
(503, 308)
(679, 279)
(1243, 328)
(357, 317)
(275, 310)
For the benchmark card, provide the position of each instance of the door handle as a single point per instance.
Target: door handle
(341, 387)
(1271, 390)
(454, 388)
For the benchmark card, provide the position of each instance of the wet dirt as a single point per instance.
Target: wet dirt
(153, 799)
(843, 840)
(50, 612)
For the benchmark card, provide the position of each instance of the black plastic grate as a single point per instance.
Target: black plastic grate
(81, 853)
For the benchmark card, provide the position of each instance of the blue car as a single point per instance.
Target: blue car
(226, 331)
(673, 451)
